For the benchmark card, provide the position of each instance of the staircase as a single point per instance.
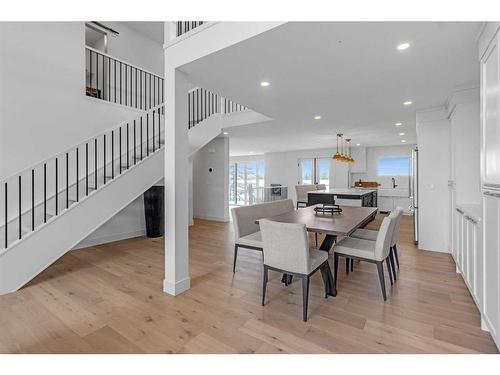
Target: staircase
(47, 209)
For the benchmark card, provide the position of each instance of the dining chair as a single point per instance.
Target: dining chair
(246, 230)
(368, 234)
(286, 250)
(376, 251)
(301, 191)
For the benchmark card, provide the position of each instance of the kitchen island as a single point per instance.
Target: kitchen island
(344, 197)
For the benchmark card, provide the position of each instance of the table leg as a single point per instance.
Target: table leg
(326, 273)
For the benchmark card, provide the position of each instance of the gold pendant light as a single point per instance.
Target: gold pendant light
(344, 155)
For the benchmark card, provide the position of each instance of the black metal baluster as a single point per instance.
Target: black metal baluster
(197, 107)
(114, 73)
(104, 161)
(162, 90)
(86, 169)
(126, 83)
(147, 134)
(97, 74)
(205, 103)
(154, 89)
(149, 90)
(120, 82)
(32, 199)
(77, 177)
(45, 193)
(135, 144)
(95, 164)
(67, 180)
(112, 154)
(120, 149)
(90, 73)
(128, 148)
(131, 85)
(141, 136)
(189, 110)
(57, 188)
(154, 131)
(6, 219)
(20, 210)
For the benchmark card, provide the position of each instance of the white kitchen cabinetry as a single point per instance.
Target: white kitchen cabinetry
(359, 156)
(490, 176)
(491, 267)
(468, 249)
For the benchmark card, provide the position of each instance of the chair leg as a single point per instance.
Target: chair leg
(389, 270)
(380, 270)
(235, 256)
(396, 255)
(264, 284)
(316, 235)
(347, 265)
(335, 269)
(391, 258)
(305, 297)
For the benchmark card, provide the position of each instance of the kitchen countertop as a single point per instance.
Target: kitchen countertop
(355, 191)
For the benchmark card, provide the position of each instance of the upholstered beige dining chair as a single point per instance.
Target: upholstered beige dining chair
(247, 231)
(369, 251)
(368, 234)
(301, 191)
(286, 249)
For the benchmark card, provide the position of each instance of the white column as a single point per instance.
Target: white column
(176, 182)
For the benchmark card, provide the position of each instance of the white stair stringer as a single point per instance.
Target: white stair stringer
(25, 259)
(212, 127)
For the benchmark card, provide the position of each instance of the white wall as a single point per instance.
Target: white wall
(433, 134)
(281, 168)
(135, 48)
(211, 189)
(43, 107)
(371, 174)
(128, 223)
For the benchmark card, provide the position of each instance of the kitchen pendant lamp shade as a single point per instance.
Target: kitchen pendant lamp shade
(343, 152)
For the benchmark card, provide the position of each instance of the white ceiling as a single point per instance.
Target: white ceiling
(350, 73)
(152, 30)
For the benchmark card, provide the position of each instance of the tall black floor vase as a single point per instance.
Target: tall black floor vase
(154, 208)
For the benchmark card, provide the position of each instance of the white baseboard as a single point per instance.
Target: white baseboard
(213, 218)
(111, 238)
(176, 288)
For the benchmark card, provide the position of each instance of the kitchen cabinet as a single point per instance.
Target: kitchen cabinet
(359, 156)
(490, 84)
(389, 203)
(491, 312)
(468, 249)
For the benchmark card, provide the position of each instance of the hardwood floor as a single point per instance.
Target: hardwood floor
(109, 299)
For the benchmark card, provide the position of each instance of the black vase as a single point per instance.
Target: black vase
(154, 208)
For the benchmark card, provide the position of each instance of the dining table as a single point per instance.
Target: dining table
(331, 225)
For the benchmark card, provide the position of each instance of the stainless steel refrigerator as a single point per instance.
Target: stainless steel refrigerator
(414, 192)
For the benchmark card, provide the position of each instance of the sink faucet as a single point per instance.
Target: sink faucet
(394, 183)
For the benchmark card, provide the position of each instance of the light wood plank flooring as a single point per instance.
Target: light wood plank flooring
(109, 299)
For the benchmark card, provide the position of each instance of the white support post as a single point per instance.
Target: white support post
(176, 183)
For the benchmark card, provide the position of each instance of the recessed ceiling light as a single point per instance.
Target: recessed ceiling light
(264, 83)
(358, 144)
(317, 117)
(399, 133)
(408, 102)
(398, 124)
(403, 141)
(403, 46)
(225, 133)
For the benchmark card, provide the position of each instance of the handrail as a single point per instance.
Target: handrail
(34, 166)
(123, 61)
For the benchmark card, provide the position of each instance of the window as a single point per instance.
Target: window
(314, 171)
(394, 166)
(244, 179)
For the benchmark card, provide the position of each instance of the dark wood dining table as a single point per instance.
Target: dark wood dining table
(338, 224)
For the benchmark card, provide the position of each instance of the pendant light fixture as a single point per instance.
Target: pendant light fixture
(343, 153)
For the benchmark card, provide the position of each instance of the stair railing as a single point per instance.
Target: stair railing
(185, 26)
(45, 190)
(118, 81)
